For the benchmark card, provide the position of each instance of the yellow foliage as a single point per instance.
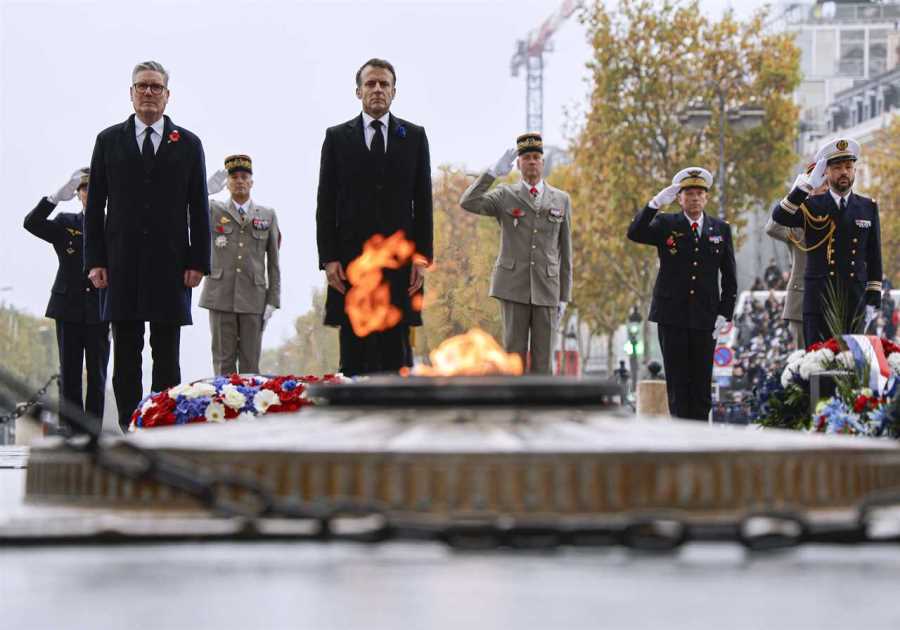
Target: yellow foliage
(882, 160)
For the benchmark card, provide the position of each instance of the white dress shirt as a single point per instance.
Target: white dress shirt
(837, 198)
(698, 221)
(540, 190)
(156, 138)
(369, 132)
(242, 206)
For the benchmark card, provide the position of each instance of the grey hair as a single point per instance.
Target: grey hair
(155, 66)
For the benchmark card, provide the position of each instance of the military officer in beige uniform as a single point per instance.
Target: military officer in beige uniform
(244, 287)
(533, 274)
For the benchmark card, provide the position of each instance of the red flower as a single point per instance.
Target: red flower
(832, 344)
(220, 229)
(174, 136)
(670, 242)
(518, 212)
(860, 404)
(889, 347)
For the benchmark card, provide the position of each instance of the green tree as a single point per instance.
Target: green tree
(28, 346)
(651, 61)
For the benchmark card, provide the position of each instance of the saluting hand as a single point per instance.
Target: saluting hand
(334, 273)
(216, 182)
(67, 191)
(665, 196)
(504, 164)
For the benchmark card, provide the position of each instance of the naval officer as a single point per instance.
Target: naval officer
(842, 239)
(532, 277)
(694, 251)
(244, 287)
(82, 338)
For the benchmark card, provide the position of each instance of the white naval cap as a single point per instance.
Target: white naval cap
(840, 149)
(693, 177)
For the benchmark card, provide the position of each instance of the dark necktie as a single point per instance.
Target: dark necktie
(694, 227)
(147, 148)
(377, 146)
(843, 204)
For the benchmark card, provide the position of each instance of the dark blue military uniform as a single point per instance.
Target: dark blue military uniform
(686, 300)
(844, 249)
(75, 305)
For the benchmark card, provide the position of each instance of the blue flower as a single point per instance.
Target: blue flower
(187, 408)
(289, 386)
(249, 393)
(400, 131)
(219, 382)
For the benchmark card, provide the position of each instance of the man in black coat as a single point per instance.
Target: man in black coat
(694, 249)
(82, 338)
(151, 246)
(842, 239)
(374, 178)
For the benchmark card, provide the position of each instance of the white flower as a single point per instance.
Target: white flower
(215, 412)
(894, 362)
(264, 399)
(787, 377)
(845, 360)
(178, 390)
(796, 356)
(198, 390)
(232, 397)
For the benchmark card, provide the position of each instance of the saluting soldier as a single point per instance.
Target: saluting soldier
(842, 240)
(793, 301)
(82, 338)
(533, 274)
(244, 287)
(695, 251)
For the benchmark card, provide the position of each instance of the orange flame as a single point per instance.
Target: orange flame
(475, 353)
(368, 302)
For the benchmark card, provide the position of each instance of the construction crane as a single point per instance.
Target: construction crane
(530, 54)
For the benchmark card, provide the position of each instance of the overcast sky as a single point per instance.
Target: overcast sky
(264, 78)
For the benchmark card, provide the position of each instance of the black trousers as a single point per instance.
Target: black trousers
(687, 357)
(127, 374)
(83, 345)
(379, 352)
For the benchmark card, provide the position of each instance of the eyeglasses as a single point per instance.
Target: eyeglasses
(155, 88)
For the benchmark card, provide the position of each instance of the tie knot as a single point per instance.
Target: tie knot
(376, 125)
(534, 191)
(695, 226)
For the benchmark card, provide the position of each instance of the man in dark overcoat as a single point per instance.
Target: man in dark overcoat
(147, 234)
(374, 178)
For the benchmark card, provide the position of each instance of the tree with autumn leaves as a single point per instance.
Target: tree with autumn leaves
(881, 159)
(651, 62)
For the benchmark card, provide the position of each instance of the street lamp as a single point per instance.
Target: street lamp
(741, 119)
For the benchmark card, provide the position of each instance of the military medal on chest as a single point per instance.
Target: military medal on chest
(517, 214)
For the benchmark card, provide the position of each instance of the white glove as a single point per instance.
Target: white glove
(216, 182)
(267, 314)
(815, 179)
(871, 314)
(504, 164)
(720, 324)
(665, 196)
(68, 190)
(560, 311)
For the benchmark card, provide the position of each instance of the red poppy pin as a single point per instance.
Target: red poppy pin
(517, 214)
(220, 229)
(174, 136)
